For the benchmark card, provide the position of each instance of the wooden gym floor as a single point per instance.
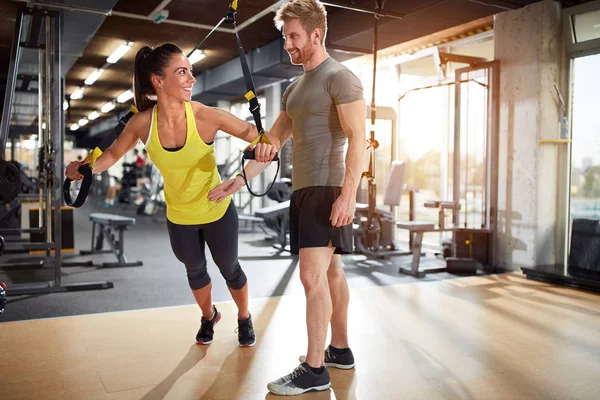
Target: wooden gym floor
(487, 337)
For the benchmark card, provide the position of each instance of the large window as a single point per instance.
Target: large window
(585, 158)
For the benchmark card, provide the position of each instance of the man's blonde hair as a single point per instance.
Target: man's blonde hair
(310, 13)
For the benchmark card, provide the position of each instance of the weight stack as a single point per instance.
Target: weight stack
(461, 266)
(584, 257)
(67, 226)
(473, 243)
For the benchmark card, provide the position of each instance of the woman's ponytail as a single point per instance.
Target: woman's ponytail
(142, 87)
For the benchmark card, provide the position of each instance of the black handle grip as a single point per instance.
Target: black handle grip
(86, 171)
(249, 155)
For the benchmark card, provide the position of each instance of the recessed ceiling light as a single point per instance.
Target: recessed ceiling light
(107, 107)
(123, 97)
(196, 56)
(94, 76)
(77, 94)
(119, 52)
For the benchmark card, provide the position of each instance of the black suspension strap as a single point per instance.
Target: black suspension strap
(250, 95)
(86, 168)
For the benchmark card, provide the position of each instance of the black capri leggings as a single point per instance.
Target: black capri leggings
(221, 236)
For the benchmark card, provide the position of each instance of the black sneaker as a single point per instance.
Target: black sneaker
(301, 380)
(206, 332)
(246, 335)
(335, 360)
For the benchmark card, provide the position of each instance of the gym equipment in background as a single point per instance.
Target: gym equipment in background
(51, 151)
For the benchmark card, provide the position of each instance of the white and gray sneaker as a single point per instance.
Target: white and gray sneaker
(334, 358)
(301, 380)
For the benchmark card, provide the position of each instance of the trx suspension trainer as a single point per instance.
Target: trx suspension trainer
(250, 95)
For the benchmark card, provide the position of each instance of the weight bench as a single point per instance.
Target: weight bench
(253, 220)
(281, 226)
(107, 225)
(416, 231)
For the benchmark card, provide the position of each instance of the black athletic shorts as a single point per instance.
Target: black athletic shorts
(310, 209)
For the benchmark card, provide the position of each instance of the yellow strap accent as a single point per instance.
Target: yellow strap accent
(264, 139)
(253, 143)
(134, 109)
(261, 138)
(234, 4)
(250, 95)
(93, 156)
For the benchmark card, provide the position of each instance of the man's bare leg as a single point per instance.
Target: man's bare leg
(314, 263)
(311, 375)
(340, 299)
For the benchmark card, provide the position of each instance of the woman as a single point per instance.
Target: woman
(179, 137)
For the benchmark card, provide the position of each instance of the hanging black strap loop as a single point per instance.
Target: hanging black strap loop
(250, 95)
(86, 168)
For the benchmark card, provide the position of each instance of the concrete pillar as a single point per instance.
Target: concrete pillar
(528, 43)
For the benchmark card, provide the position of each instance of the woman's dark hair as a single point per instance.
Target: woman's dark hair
(150, 61)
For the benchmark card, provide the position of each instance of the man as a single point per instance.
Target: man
(323, 109)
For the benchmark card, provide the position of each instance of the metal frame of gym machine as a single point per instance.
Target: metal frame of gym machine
(51, 139)
(460, 260)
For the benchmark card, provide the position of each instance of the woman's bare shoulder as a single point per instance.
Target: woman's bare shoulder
(200, 110)
(206, 114)
(140, 123)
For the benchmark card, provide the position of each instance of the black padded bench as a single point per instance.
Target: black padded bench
(277, 218)
(247, 218)
(108, 224)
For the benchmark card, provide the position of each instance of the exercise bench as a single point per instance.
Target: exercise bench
(108, 225)
(416, 231)
(271, 216)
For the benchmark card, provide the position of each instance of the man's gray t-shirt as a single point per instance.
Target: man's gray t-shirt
(319, 140)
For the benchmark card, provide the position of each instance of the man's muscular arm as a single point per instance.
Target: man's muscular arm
(352, 117)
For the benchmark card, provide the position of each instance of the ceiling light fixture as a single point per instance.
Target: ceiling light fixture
(77, 94)
(74, 127)
(93, 76)
(93, 115)
(119, 52)
(107, 107)
(125, 96)
(196, 56)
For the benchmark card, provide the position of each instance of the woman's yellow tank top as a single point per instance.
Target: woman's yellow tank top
(188, 173)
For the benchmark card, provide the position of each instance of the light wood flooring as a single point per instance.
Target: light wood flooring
(488, 337)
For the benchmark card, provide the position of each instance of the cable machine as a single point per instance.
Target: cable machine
(51, 139)
(474, 165)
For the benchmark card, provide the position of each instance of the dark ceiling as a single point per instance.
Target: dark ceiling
(350, 34)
